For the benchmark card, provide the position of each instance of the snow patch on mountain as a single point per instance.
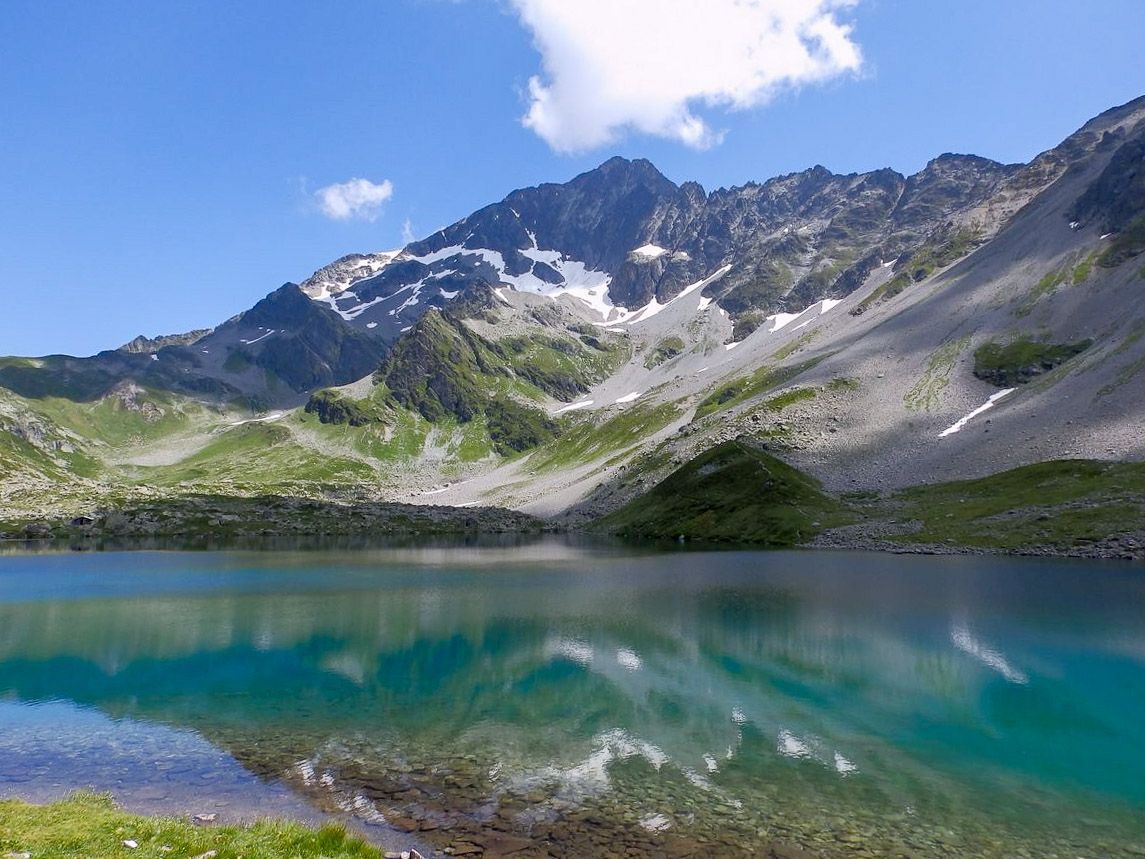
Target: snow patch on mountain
(571, 407)
(649, 252)
(257, 339)
(333, 284)
(653, 307)
(781, 320)
(963, 421)
(577, 279)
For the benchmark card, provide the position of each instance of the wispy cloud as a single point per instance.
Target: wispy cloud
(646, 65)
(356, 198)
(408, 235)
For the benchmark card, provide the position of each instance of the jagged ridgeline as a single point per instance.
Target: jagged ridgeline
(622, 240)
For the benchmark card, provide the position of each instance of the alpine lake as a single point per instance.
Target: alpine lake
(557, 698)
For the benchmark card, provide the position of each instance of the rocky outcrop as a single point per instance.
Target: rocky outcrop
(142, 345)
(1117, 196)
(128, 395)
(1023, 360)
(340, 275)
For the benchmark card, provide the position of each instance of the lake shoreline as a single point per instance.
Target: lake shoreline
(1110, 550)
(222, 517)
(848, 539)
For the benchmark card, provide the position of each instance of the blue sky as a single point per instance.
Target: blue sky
(161, 163)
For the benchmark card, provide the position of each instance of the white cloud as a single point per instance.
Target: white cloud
(614, 65)
(408, 235)
(357, 198)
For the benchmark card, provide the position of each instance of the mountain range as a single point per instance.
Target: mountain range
(562, 351)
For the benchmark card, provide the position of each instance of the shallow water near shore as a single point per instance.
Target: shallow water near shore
(577, 699)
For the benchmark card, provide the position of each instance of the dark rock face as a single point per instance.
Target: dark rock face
(88, 379)
(789, 242)
(299, 341)
(1117, 197)
(596, 219)
(286, 342)
(334, 409)
(945, 185)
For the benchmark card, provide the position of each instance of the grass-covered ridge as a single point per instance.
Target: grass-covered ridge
(455, 365)
(560, 364)
(91, 826)
(584, 440)
(760, 382)
(734, 492)
(257, 457)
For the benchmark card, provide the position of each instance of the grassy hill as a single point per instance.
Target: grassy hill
(735, 493)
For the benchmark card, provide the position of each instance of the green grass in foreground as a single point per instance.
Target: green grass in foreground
(91, 826)
(733, 492)
(1058, 504)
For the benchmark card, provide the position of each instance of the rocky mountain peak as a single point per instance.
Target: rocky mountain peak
(633, 171)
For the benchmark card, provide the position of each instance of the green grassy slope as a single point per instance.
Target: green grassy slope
(260, 455)
(1059, 505)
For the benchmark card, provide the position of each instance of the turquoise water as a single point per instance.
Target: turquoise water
(571, 696)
